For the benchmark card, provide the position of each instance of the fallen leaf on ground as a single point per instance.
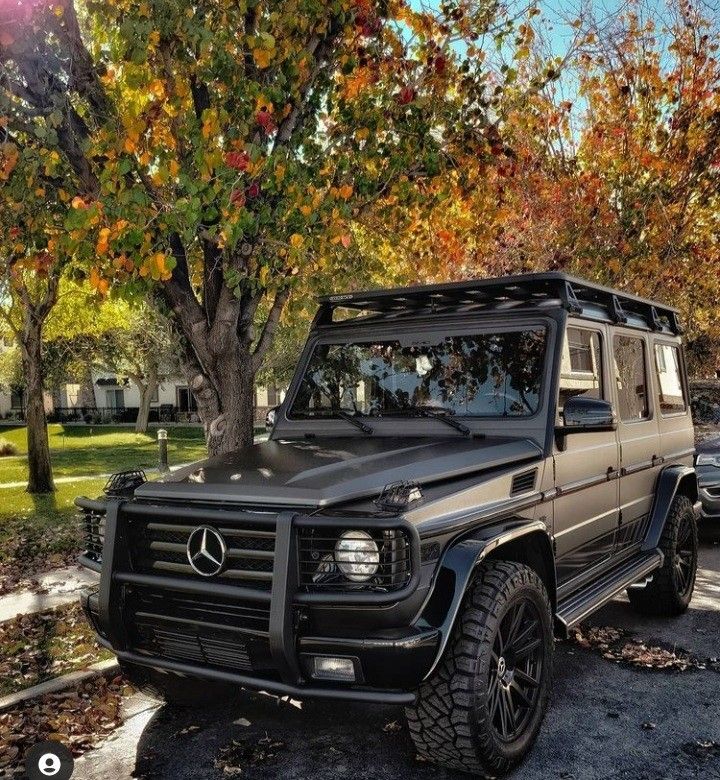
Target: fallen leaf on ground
(616, 645)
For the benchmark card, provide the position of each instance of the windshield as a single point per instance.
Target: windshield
(475, 375)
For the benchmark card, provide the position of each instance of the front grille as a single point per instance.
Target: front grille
(184, 642)
(214, 612)
(321, 568)
(92, 526)
(214, 631)
(160, 547)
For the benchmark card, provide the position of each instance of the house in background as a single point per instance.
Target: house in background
(117, 401)
(13, 404)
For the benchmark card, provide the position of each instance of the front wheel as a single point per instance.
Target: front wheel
(671, 588)
(482, 708)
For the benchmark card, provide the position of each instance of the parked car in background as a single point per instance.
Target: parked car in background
(707, 466)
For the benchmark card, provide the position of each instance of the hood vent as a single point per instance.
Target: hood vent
(523, 482)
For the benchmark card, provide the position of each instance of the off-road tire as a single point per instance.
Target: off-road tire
(178, 691)
(667, 594)
(451, 723)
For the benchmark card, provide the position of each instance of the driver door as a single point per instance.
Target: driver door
(586, 507)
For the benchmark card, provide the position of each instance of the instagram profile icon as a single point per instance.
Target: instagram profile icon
(49, 760)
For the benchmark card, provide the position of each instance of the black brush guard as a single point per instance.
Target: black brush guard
(196, 627)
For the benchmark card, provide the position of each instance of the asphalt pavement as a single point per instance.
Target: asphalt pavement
(606, 720)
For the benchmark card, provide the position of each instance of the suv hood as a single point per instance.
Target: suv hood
(327, 471)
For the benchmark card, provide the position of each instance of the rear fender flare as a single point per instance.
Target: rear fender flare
(457, 569)
(671, 480)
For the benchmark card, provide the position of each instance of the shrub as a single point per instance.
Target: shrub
(7, 448)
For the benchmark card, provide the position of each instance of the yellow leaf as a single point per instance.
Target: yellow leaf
(306, 210)
(362, 134)
(296, 240)
(158, 88)
(129, 145)
(263, 57)
(78, 202)
(174, 167)
(345, 191)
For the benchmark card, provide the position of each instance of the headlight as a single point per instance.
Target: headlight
(357, 556)
(708, 459)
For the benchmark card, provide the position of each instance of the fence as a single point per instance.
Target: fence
(107, 415)
(164, 413)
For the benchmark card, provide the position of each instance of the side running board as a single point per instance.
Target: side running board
(578, 605)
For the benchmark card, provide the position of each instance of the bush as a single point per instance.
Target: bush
(7, 448)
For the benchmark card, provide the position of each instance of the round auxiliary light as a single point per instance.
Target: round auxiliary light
(357, 556)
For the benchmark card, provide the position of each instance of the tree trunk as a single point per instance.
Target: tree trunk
(147, 391)
(225, 399)
(40, 479)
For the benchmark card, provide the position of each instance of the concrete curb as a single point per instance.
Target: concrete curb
(107, 668)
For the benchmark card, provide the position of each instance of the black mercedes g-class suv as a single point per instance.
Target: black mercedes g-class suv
(458, 474)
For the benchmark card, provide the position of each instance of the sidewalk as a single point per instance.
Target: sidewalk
(61, 586)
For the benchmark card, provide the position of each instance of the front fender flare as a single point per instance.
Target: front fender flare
(665, 490)
(455, 572)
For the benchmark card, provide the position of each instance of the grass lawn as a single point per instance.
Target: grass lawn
(80, 450)
(38, 533)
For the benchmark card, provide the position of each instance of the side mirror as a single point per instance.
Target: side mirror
(271, 418)
(585, 415)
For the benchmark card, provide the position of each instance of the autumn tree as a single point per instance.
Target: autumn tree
(30, 221)
(616, 179)
(218, 150)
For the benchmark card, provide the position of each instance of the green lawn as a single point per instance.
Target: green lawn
(79, 450)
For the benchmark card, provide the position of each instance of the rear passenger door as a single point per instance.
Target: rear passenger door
(638, 433)
(586, 506)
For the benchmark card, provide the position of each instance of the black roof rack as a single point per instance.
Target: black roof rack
(548, 289)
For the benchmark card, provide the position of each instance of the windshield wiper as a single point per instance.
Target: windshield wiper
(443, 415)
(343, 415)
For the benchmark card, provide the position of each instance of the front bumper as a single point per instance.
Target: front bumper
(709, 503)
(143, 619)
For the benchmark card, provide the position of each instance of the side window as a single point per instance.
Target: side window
(631, 378)
(581, 365)
(669, 376)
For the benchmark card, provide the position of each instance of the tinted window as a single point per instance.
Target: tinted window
(669, 376)
(481, 375)
(581, 366)
(631, 378)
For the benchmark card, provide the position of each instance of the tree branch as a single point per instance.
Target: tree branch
(271, 324)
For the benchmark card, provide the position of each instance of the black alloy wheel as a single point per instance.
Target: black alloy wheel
(518, 659)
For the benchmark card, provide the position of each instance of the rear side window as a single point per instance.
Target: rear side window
(669, 376)
(581, 365)
(631, 378)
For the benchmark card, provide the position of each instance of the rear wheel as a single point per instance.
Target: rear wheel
(176, 690)
(482, 708)
(671, 588)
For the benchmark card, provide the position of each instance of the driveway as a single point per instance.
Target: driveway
(606, 720)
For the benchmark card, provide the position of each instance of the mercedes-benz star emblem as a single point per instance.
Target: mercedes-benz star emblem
(206, 551)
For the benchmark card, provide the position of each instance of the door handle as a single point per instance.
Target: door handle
(657, 460)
